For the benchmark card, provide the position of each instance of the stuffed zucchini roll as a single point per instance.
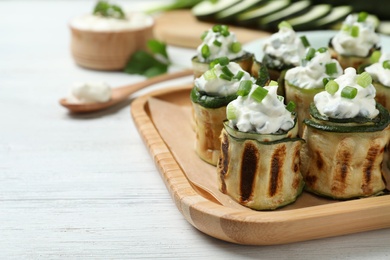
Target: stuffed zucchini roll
(380, 73)
(283, 50)
(219, 42)
(353, 45)
(210, 95)
(259, 161)
(306, 80)
(346, 138)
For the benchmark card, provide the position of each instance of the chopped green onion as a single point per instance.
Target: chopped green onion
(273, 83)
(205, 51)
(331, 68)
(231, 111)
(244, 88)
(364, 79)
(216, 28)
(291, 106)
(223, 61)
(227, 71)
(355, 31)
(305, 41)
(310, 53)
(217, 43)
(325, 81)
(210, 75)
(239, 75)
(349, 92)
(322, 49)
(235, 47)
(281, 98)
(386, 64)
(204, 35)
(375, 56)
(362, 16)
(225, 77)
(331, 87)
(284, 24)
(225, 30)
(259, 94)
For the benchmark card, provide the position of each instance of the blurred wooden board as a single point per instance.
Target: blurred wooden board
(181, 28)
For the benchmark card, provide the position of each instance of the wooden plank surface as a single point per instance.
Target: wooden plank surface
(181, 28)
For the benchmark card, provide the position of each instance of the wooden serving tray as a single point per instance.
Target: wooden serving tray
(310, 217)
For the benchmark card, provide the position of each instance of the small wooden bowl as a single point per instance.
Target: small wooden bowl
(108, 50)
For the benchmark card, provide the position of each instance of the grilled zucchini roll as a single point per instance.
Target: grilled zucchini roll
(380, 73)
(259, 161)
(209, 96)
(306, 80)
(353, 45)
(219, 42)
(283, 50)
(346, 138)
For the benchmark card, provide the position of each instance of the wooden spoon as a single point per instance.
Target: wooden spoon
(121, 93)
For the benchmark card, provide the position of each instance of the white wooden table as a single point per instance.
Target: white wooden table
(78, 187)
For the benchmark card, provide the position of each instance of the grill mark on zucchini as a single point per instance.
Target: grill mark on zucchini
(319, 160)
(224, 160)
(277, 161)
(250, 159)
(344, 158)
(368, 166)
(296, 168)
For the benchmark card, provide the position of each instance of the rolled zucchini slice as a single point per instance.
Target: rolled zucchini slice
(209, 112)
(345, 158)
(201, 67)
(349, 60)
(382, 94)
(260, 172)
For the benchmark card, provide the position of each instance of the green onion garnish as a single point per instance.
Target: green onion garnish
(362, 16)
(310, 53)
(291, 106)
(231, 112)
(239, 75)
(322, 49)
(273, 83)
(225, 30)
(217, 43)
(355, 31)
(210, 75)
(305, 41)
(244, 88)
(235, 47)
(331, 68)
(225, 77)
(386, 64)
(325, 81)
(227, 71)
(364, 79)
(259, 94)
(284, 24)
(205, 51)
(375, 56)
(216, 28)
(331, 87)
(281, 98)
(223, 61)
(349, 92)
(204, 35)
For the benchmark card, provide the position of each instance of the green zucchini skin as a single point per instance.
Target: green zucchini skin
(208, 101)
(352, 125)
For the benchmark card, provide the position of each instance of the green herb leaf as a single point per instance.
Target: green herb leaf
(149, 64)
(104, 8)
